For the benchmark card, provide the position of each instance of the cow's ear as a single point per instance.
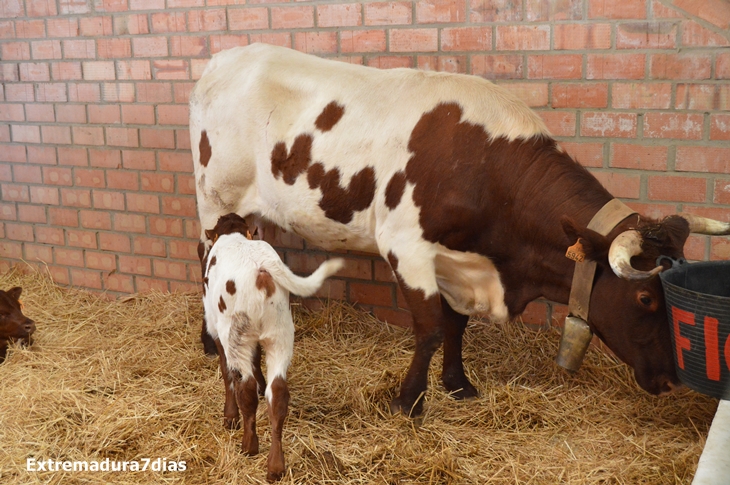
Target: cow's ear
(14, 293)
(211, 234)
(595, 246)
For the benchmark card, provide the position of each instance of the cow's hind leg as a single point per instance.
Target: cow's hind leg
(453, 376)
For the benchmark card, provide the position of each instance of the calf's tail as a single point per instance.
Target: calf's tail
(305, 286)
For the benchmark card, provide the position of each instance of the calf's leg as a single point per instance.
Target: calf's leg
(248, 402)
(230, 409)
(278, 409)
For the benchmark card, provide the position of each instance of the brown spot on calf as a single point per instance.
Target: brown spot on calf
(265, 283)
(329, 116)
(205, 149)
(231, 287)
(222, 305)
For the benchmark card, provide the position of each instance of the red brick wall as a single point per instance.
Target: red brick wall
(95, 169)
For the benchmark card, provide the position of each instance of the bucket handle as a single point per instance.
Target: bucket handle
(672, 262)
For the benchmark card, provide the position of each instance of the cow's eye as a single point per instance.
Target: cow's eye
(646, 300)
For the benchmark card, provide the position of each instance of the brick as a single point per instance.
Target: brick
(11, 112)
(639, 157)
(172, 69)
(653, 211)
(125, 137)
(95, 26)
(49, 235)
(173, 115)
(694, 248)
(210, 19)
(466, 39)
(603, 124)
(11, 250)
(20, 92)
(131, 25)
(143, 203)
(165, 22)
(157, 138)
(134, 70)
(617, 9)
(28, 174)
(388, 13)
(44, 195)
(641, 95)
(695, 35)
(282, 39)
(721, 191)
(108, 200)
(182, 92)
(362, 41)
(495, 11)
(716, 12)
(154, 93)
(110, 5)
(66, 71)
(114, 48)
(560, 123)
(615, 66)
(719, 249)
(339, 15)
(540, 10)
(722, 69)
(118, 283)
(185, 184)
(84, 92)
(413, 40)
(183, 139)
(146, 4)
(56, 135)
(38, 252)
(176, 162)
(89, 178)
(71, 113)
(98, 70)
(118, 243)
(442, 63)
(646, 35)
(119, 93)
(63, 27)
(46, 49)
(135, 265)
(105, 158)
(100, 260)
(587, 154)
(15, 193)
(79, 49)
(104, 114)
(534, 94)
(95, 220)
(719, 127)
(298, 17)
(680, 189)
(59, 216)
(150, 284)
(703, 159)
(223, 42)
(619, 184)
(580, 95)
(19, 232)
(440, 11)
(180, 206)
(390, 62)
(76, 198)
(696, 96)
(166, 226)
(149, 246)
(158, 182)
(673, 125)
(184, 250)
(130, 223)
(25, 134)
(680, 66)
(498, 66)
(15, 51)
(14, 154)
(189, 46)
(523, 37)
(371, 294)
(88, 135)
(8, 212)
(57, 176)
(123, 180)
(150, 46)
(316, 42)
(40, 113)
(565, 66)
(81, 239)
(85, 278)
(34, 71)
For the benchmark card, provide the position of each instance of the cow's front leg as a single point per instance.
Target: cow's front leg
(428, 321)
(453, 376)
(230, 409)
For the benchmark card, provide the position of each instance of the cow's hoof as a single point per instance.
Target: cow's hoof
(466, 391)
(231, 423)
(399, 405)
(250, 445)
(272, 477)
(275, 467)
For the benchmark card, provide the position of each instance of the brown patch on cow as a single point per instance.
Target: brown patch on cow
(340, 204)
(205, 149)
(395, 189)
(265, 282)
(290, 164)
(393, 260)
(213, 260)
(231, 287)
(222, 305)
(329, 116)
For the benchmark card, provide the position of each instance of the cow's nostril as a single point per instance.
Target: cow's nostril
(29, 326)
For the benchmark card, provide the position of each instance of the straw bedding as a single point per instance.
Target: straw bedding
(126, 379)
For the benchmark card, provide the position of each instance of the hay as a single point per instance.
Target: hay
(127, 380)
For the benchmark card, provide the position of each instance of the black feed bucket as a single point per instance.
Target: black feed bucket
(698, 307)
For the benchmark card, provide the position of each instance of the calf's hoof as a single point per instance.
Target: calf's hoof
(250, 445)
(274, 468)
(231, 423)
(406, 406)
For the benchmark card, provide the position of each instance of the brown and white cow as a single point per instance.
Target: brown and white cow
(14, 326)
(452, 179)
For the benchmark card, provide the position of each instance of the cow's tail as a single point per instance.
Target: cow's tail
(305, 286)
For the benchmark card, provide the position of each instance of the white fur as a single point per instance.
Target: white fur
(267, 319)
(250, 98)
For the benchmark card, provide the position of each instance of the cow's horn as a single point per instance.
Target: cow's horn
(623, 248)
(703, 225)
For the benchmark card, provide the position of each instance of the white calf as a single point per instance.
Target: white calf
(246, 298)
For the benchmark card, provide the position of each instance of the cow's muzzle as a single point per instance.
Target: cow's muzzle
(574, 343)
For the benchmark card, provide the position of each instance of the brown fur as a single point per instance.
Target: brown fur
(290, 164)
(265, 283)
(14, 326)
(329, 116)
(206, 150)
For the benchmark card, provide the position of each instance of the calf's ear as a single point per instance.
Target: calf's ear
(14, 293)
(595, 246)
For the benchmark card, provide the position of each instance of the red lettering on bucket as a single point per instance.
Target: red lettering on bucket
(712, 349)
(681, 316)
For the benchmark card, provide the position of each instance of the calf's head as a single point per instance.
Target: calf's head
(13, 324)
(228, 224)
(627, 307)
